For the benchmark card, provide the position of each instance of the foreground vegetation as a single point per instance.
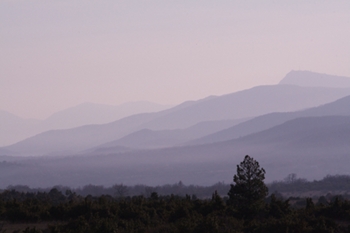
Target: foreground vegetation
(290, 186)
(72, 213)
(246, 208)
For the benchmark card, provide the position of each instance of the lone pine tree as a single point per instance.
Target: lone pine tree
(248, 192)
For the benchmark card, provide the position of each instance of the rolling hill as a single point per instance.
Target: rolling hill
(91, 113)
(147, 138)
(255, 101)
(339, 107)
(312, 147)
(14, 128)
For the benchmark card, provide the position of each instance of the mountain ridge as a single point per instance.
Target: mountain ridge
(14, 128)
(291, 147)
(338, 107)
(312, 79)
(256, 101)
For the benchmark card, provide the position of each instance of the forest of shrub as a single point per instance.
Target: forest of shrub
(247, 205)
(56, 212)
(290, 186)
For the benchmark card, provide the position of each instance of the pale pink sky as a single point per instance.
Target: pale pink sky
(57, 54)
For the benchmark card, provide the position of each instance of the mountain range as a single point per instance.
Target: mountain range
(312, 79)
(242, 104)
(14, 128)
(339, 107)
(311, 147)
(291, 127)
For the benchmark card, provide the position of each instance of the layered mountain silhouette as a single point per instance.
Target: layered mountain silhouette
(301, 125)
(252, 102)
(90, 113)
(14, 128)
(311, 147)
(249, 103)
(147, 138)
(340, 107)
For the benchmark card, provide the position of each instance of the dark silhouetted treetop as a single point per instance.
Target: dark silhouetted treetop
(248, 192)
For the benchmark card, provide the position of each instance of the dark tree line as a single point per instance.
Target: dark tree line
(329, 184)
(72, 213)
(246, 209)
(121, 190)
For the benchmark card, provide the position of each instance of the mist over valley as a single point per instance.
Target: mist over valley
(174, 116)
(288, 128)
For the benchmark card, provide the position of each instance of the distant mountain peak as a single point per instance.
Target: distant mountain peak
(306, 78)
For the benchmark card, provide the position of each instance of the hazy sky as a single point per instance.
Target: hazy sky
(57, 54)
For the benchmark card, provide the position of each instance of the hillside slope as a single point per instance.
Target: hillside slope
(310, 147)
(313, 79)
(255, 101)
(339, 107)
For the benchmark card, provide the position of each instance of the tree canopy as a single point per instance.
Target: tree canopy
(248, 192)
